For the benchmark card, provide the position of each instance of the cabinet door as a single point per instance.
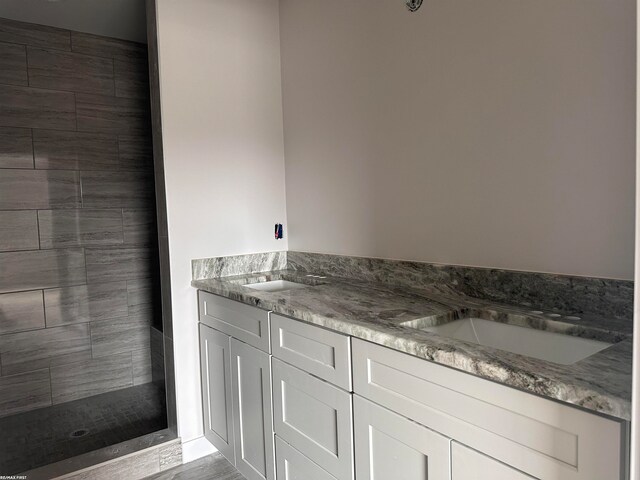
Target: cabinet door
(253, 419)
(467, 464)
(314, 417)
(292, 465)
(215, 369)
(388, 445)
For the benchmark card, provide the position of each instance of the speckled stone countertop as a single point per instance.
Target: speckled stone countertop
(384, 314)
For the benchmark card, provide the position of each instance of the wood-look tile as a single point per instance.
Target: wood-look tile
(131, 77)
(161, 202)
(165, 286)
(85, 303)
(56, 149)
(142, 295)
(211, 467)
(36, 108)
(18, 230)
(94, 464)
(139, 227)
(80, 227)
(99, 113)
(132, 190)
(12, 31)
(106, 46)
(36, 349)
(117, 264)
(13, 64)
(41, 269)
(135, 153)
(157, 342)
(16, 148)
(25, 391)
(141, 360)
(170, 383)
(90, 377)
(21, 311)
(119, 335)
(32, 189)
(170, 455)
(70, 71)
(137, 466)
(157, 355)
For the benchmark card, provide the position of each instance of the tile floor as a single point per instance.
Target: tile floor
(211, 467)
(40, 437)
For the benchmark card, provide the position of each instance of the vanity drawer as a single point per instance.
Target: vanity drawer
(543, 438)
(244, 322)
(320, 352)
(314, 417)
(292, 465)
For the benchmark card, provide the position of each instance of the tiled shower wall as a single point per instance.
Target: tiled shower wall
(78, 244)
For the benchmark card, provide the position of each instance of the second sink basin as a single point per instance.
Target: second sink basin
(275, 285)
(550, 346)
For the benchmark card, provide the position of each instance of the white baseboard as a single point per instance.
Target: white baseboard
(196, 448)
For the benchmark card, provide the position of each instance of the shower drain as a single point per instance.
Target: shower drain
(79, 433)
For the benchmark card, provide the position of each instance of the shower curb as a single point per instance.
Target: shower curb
(134, 459)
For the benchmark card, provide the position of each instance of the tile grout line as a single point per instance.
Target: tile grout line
(38, 229)
(44, 309)
(75, 109)
(113, 73)
(50, 385)
(33, 150)
(26, 64)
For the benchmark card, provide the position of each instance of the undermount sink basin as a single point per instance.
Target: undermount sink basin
(276, 285)
(550, 346)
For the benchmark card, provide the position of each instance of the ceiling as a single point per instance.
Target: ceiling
(123, 19)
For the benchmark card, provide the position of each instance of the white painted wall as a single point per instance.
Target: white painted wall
(485, 133)
(489, 133)
(223, 152)
(123, 19)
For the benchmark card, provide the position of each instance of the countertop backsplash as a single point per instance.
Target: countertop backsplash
(545, 292)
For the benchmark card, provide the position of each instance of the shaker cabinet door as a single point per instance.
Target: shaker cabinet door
(215, 370)
(467, 464)
(388, 445)
(252, 413)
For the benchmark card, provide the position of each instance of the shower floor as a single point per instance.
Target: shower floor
(40, 437)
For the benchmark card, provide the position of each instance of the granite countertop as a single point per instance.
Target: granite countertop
(384, 314)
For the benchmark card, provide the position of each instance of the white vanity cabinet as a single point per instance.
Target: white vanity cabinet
(541, 438)
(288, 400)
(236, 384)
